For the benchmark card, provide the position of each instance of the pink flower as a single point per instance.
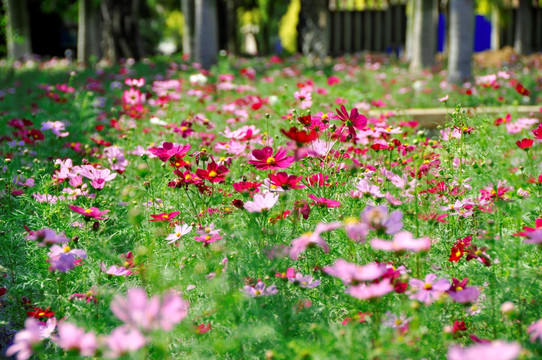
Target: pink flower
(265, 160)
(149, 314)
(535, 329)
(97, 177)
(495, 350)
(89, 213)
(47, 237)
(428, 290)
(63, 258)
(164, 216)
(260, 289)
(310, 239)
(402, 241)
(356, 230)
(115, 270)
(366, 292)
(169, 150)
(25, 340)
(352, 274)
(261, 203)
(180, 230)
(305, 96)
(56, 128)
(323, 202)
(124, 340)
(71, 338)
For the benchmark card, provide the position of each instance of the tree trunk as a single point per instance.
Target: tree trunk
(522, 41)
(206, 33)
(187, 8)
(17, 29)
(88, 37)
(461, 40)
(231, 26)
(424, 35)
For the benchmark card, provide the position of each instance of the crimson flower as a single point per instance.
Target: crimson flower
(525, 144)
(538, 132)
(300, 136)
(89, 213)
(286, 181)
(456, 253)
(202, 328)
(353, 121)
(265, 160)
(520, 89)
(164, 216)
(214, 173)
(247, 187)
(39, 313)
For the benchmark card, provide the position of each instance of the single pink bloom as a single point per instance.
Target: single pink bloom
(164, 216)
(402, 241)
(370, 291)
(71, 338)
(261, 203)
(428, 290)
(264, 159)
(124, 340)
(311, 239)
(323, 202)
(89, 213)
(97, 177)
(495, 350)
(352, 274)
(25, 340)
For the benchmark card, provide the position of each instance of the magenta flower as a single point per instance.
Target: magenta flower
(265, 160)
(495, 350)
(25, 340)
(461, 293)
(323, 202)
(428, 290)
(164, 216)
(72, 338)
(149, 314)
(47, 237)
(352, 274)
(89, 213)
(260, 289)
(371, 291)
(261, 203)
(311, 239)
(124, 340)
(353, 121)
(97, 177)
(169, 150)
(402, 241)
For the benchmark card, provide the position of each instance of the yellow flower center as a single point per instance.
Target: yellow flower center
(184, 128)
(398, 322)
(188, 177)
(458, 253)
(88, 211)
(271, 161)
(165, 216)
(388, 129)
(67, 249)
(428, 286)
(41, 313)
(478, 252)
(212, 174)
(207, 238)
(324, 116)
(459, 288)
(178, 234)
(126, 264)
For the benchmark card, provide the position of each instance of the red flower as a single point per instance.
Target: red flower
(305, 120)
(214, 173)
(538, 132)
(519, 88)
(286, 181)
(265, 160)
(459, 326)
(202, 328)
(300, 136)
(164, 216)
(456, 253)
(525, 144)
(89, 213)
(39, 313)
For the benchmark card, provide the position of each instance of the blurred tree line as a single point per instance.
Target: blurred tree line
(113, 29)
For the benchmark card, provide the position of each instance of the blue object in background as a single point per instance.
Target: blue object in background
(482, 33)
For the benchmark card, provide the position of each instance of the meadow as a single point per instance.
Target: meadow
(155, 210)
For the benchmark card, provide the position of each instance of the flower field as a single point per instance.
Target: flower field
(155, 210)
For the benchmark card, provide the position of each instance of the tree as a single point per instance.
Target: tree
(88, 36)
(187, 7)
(424, 34)
(522, 41)
(206, 33)
(461, 39)
(18, 29)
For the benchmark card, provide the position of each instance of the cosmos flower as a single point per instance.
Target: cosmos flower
(352, 274)
(72, 338)
(310, 239)
(89, 213)
(402, 241)
(495, 350)
(164, 216)
(25, 340)
(261, 202)
(180, 230)
(260, 289)
(123, 340)
(265, 160)
(429, 290)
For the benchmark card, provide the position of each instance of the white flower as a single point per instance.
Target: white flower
(180, 230)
